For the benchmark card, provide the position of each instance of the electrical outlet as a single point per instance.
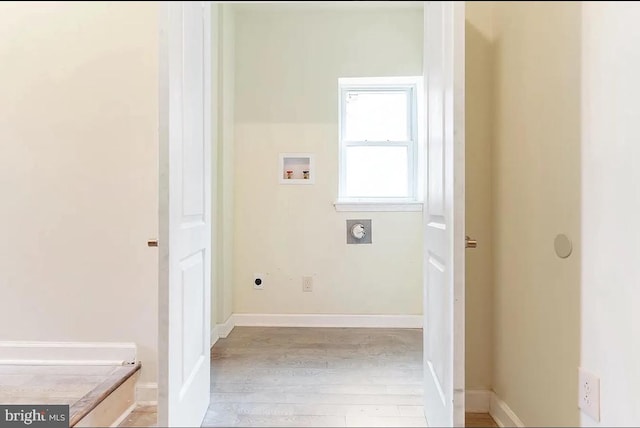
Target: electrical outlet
(258, 281)
(307, 283)
(589, 394)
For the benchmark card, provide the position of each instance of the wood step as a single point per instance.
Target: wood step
(109, 402)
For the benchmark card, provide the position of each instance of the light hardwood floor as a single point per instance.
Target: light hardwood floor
(30, 384)
(80, 387)
(478, 420)
(317, 377)
(306, 377)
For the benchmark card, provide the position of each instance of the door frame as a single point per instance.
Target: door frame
(459, 286)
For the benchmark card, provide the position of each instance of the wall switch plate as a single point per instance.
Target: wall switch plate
(307, 283)
(258, 281)
(589, 394)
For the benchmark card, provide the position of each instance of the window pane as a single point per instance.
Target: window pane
(376, 171)
(376, 116)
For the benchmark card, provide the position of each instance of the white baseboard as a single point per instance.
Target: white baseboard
(147, 393)
(316, 320)
(124, 415)
(502, 413)
(477, 400)
(67, 353)
(327, 320)
(485, 401)
(214, 336)
(226, 327)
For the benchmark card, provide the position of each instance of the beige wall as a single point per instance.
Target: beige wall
(78, 126)
(287, 68)
(479, 118)
(223, 294)
(611, 208)
(536, 192)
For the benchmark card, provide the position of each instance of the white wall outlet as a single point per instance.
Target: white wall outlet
(258, 281)
(307, 283)
(589, 394)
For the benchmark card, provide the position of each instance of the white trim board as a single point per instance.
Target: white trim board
(214, 336)
(221, 331)
(147, 393)
(124, 415)
(226, 327)
(327, 320)
(343, 206)
(502, 413)
(485, 401)
(67, 353)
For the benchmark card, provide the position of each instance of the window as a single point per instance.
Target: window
(378, 141)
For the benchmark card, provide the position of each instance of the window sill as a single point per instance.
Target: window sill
(371, 206)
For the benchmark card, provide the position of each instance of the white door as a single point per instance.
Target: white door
(444, 213)
(185, 213)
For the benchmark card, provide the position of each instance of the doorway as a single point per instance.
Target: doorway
(296, 113)
(287, 72)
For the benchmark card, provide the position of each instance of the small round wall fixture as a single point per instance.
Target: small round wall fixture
(563, 246)
(358, 231)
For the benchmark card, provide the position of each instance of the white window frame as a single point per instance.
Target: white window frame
(413, 87)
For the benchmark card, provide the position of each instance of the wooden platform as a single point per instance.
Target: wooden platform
(142, 416)
(83, 388)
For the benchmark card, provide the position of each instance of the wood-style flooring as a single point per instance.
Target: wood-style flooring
(479, 420)
(317, 377)
(80, 387)
(28, 384)
(305, 377)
